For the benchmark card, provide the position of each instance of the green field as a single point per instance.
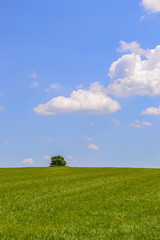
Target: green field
(79, 203)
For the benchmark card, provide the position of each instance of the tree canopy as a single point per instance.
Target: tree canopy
(57, 161)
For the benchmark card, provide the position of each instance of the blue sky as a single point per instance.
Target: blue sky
(80, 79)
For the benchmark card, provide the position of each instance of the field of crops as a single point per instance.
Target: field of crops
(79, 203)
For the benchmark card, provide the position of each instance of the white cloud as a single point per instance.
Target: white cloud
(135, 124)
(1, 93)
(153, 6)
(5, 142)
(131, 75)
(133, 47)
(139, 124)
(33, 75)
(35, 84)
(28, 161)
(93, 146)
(55, 86)
(88, 139)
(91, 124)
(1, 108)
(46, 157)
(92, 101)
(152, 111)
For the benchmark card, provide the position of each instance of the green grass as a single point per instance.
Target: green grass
(79, 203)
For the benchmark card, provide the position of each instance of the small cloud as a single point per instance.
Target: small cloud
(28, 161)
(152, 111)
(1, 108)
(35, 84)
(48, 139)
(116, 122)
(139, 124)
(5, 142)
(152, 6)
(132, 47)
(91, 124)
(135, 125)
(1, 93)
(93, 146)
(33, 75)
(46, 157)
(54, 86)
(143, 123)
(146, 16)
(87, 139)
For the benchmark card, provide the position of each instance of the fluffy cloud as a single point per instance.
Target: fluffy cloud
(152, 6)
(152, 111)
(28, 161)
(131, 74)
(91, 101)
(139, 124)
(93, 146)
(133, 47)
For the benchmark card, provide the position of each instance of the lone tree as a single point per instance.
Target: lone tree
(57, 161)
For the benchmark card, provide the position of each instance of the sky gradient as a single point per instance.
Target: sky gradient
(80, 79)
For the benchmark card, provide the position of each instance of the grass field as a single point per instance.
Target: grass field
(79, 203)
